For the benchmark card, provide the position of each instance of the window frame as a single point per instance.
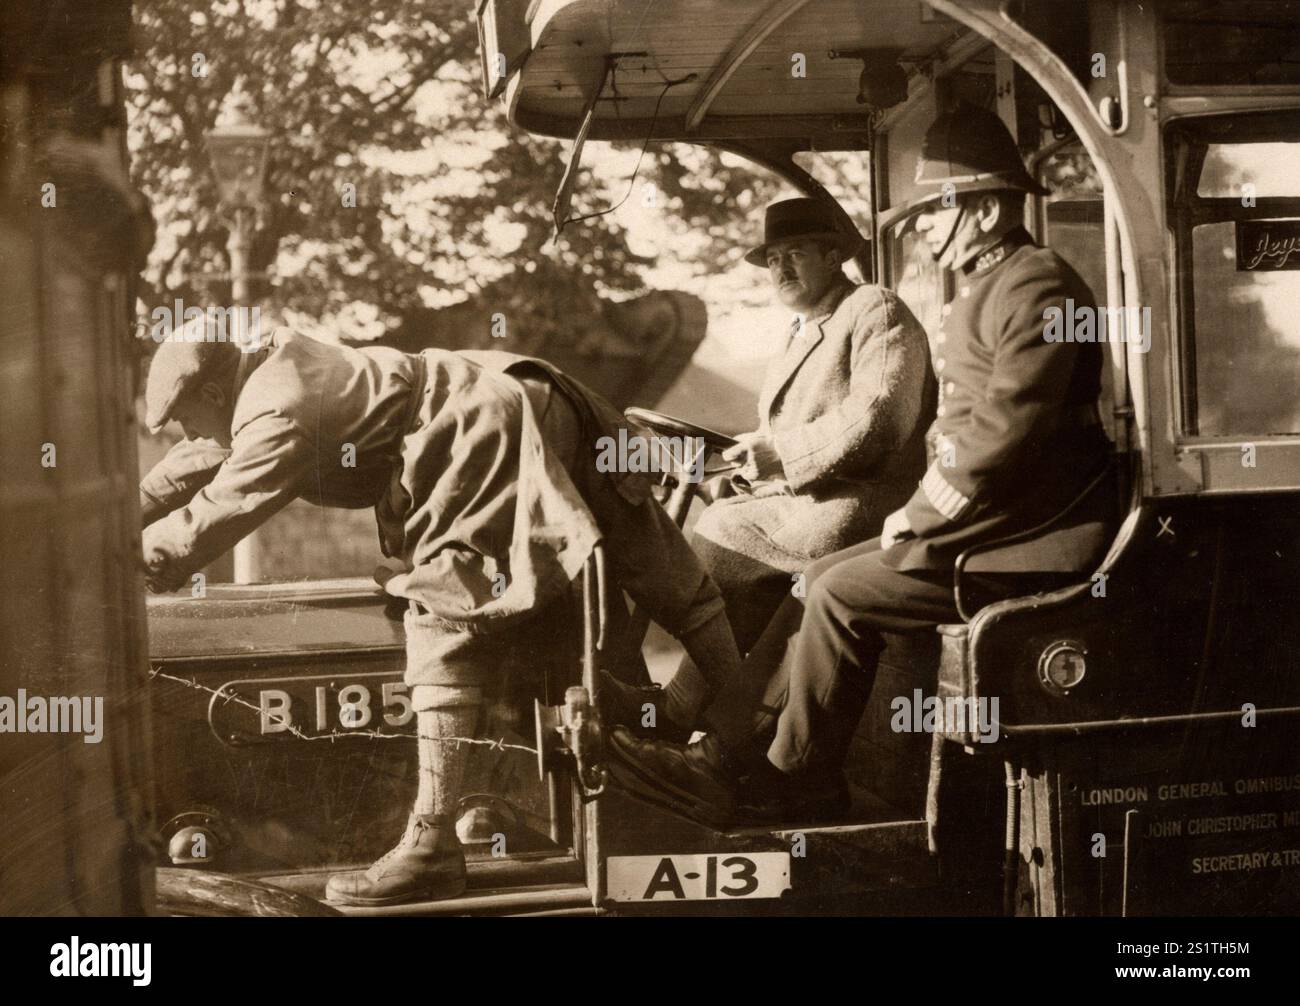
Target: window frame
(1186, 142)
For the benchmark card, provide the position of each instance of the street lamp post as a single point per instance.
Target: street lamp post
(238, 150)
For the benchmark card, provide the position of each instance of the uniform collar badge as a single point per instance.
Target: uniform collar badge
(987, 260)
(990, 257)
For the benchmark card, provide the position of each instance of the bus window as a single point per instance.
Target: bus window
(917, 280)
(1073, 216)
(1073, 225)
(1236, 219)
(1244, 43)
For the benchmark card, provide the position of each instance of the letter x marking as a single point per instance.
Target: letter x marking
(1165, 523)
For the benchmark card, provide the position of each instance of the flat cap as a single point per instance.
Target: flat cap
(177, 368)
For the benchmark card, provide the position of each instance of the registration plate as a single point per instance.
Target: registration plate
(311, 707)
(713, 877)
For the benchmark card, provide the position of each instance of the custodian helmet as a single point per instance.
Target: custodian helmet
(965, 150)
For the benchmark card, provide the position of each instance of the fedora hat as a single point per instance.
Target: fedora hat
(965, 150)
(801, 218)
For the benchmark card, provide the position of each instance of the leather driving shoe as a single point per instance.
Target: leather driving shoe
(427, 864)
(625, 705)
(693, 779)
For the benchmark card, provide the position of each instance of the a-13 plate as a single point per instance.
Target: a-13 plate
(698, 877)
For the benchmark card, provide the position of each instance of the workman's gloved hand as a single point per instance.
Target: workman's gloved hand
(389, 568)
(161, 576)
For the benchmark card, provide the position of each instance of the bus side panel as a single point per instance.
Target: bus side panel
(1201, 820)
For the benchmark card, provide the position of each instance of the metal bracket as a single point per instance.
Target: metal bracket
(572, 734)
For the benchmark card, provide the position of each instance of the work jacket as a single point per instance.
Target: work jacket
(445, 447)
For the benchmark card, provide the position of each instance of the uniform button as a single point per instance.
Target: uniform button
(945, 310)
(949, 388)
(941, 411)
(965, 291)
(940, 363)
(941, 338)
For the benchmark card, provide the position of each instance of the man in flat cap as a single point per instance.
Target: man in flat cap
(840, 441)
(481, 469)
(1017, 440)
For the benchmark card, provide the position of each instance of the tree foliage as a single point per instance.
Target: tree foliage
(385, 96)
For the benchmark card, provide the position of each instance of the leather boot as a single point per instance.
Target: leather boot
(427, 864)
(624, 705)
(697, 780)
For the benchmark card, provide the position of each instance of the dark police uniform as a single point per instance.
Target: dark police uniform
(1018, 436)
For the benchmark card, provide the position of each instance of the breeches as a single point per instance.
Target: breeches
(646, 555)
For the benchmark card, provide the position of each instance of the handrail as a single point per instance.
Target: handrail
(1020, 536)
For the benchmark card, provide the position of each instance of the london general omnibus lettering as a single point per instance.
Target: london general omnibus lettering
(1103, 796)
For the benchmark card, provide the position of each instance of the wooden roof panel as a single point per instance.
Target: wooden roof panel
(676, 38)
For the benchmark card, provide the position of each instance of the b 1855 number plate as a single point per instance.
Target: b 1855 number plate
(713, 877)
(334, 705)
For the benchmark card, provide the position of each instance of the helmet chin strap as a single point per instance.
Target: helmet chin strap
(952, 232)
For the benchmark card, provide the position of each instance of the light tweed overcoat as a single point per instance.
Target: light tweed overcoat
(848, 402)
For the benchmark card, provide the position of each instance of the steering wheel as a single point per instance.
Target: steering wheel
(679, 499)
(671, 426)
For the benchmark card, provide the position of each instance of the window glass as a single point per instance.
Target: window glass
(1241, 278)
(846, 175)
(1073, 221)
(918, 281)
(1074, 228)
(902, 147)
(917, 278)
(1247, 339)
(1243, 43)
(1271, 168)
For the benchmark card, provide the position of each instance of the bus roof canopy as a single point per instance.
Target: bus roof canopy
(686, 69)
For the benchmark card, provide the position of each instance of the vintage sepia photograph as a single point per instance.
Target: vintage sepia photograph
(651, 458)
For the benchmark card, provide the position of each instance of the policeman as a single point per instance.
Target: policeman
(1017, 439)
(481, 470)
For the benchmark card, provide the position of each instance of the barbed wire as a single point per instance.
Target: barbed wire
(500, 744)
